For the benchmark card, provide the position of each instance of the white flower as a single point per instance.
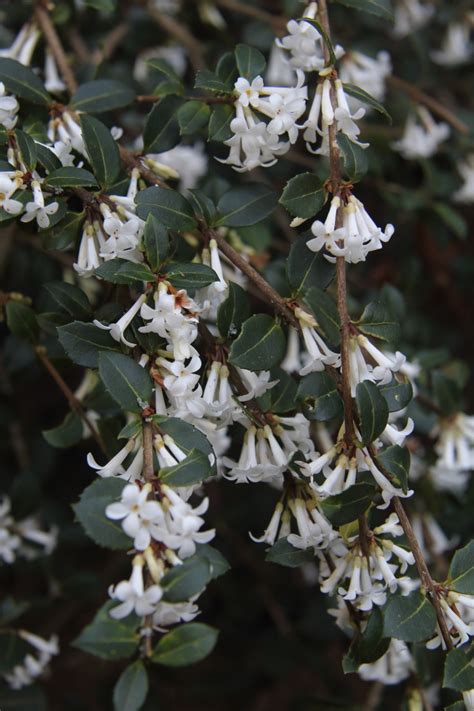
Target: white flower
(411, 15)
(455, 446)
(37, 210)
(257, 461)
(178, 377)
(141, 517)
(256, 383)
(10, 182)
(24, 44)
(466, 192)
(33, 666)
(88, 258)
(117, 330)
(132, 594)
(52, 80)
(114, 466)
(385, 364)
(9, 107)
(456, 47)
(279, 70)
(365, 72)
(318, 354)
(170, 613)
(392, 667)
(184, 523)
(421, 140)
(188, 163)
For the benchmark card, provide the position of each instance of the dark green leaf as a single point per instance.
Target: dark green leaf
(161, 130)
(13, 650)
(348, 505)
(191, 470)
(306, 269)
(21, 320)
(283, 553)
(203, 205)
(459, 669)
(184, 581)
(108, 638)
(219, 123)
(211, 82)
(372, 409)
(226, 69)
(168, 206)
(47, 158)
(156, 242)
(461, 570)
(90, 512)
(354, 158)
(70, 177)
(233, 311)
(65, 298)
(184, 645)
(131, 689)
(396, 460)
(83, 342)
(68, 433)
(186, 436)
(246, 205)
(260, 345)
(100, 95)
(217, 563)
(410, 618)
(190, 275)
(365, 98)
(303, 195)
(369, 646)
(452, 219)
(23, 82)
(397, 394)
(192, 116)
(250, 61)
(11, 609)
(129, 384)
(63, 235)
(27, 148)
(283, 395)
(102, 150)
(325, 311)
(377, 320)
(101, 5)
(381, 8)
(321, 398)
(122, 271)
(447, 393)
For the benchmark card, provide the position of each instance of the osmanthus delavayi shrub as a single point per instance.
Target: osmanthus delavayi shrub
(215, 210)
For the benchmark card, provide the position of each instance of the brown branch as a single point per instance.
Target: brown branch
(420, 97)
(52, 38)
(148, 466)
(111, 41)
(74, 403)
(133, 161)
(278, 23)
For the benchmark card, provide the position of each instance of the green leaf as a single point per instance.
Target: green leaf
(90, 512)
(396, 460)
(23, 82)
(447, 393)
(353, 156)
(161, 130)
(219, 123)
(203, 205)
(233, 311)
(131, 689)
(226, 69)
(397, 394)
(122, 271)
(452, 219)
(68, 433)
(459, 669)
(11, 609)
(129, 384)
(100, 95)
(63, 235)
(381, 8)
(306, 269)
(250, 61)
(325, 311)
(410, 618)
(191, 470)
(303, 195)
(461, 570)
(184, 581)
(365, 98)
(170, 82)
(283, 395)
(102, 150)
(192, 117)
(27, 148)
(156, 242)
(349, 504)
(217, 563)
(70, 177)
(21, 320)
(324, 35)
(373, 411)
(101, 5)
(83, 342)
(59, 296)
(283, 553)
(369, 646)
(211, 82)
(108, 638)
(168, 206)
(377, 320)
(190, 275)
(13, 650)
(184, 645)
(260, 345)
(246, 205)
(47, 158)
(321, 398)
(186, 436)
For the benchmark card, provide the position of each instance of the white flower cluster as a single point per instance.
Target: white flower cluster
(421, 139)
(9, 107)
(455, 449)
(411, 15)
(34, 664)
(23, 538)
(456, 47)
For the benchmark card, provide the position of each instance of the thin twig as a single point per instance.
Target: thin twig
(279, 23)
(148, 467)
(420, 97)
(74, 403)
(52, 38)
(111, 42)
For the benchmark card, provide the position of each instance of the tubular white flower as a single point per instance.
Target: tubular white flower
(37, 210)
(185, 163)
(317, 352)
(455, 445)
(456, 47)
(117, 330)
(270, 534)
(9, 108)
(410, 15)
(132, 594)
(421, 140)
(141, 518)
(305, 44)
(114, 466)
(392, 668)
(466, 191)
(52, 82)
(366, 72)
